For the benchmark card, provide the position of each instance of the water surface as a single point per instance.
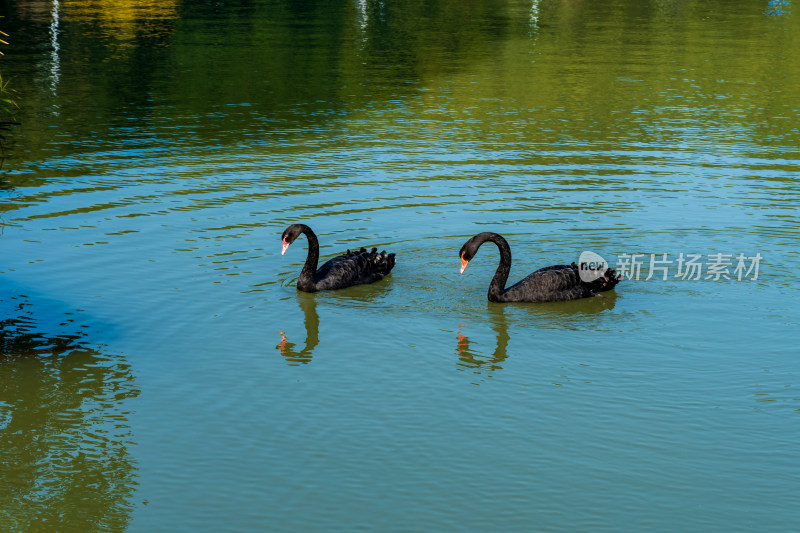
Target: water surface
(159, 370)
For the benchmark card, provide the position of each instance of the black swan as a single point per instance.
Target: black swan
(550, 284)
(346, 270)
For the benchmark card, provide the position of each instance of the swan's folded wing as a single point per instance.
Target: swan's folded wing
(549, 284)
(557, 277)
(563, 282)
(354, 268)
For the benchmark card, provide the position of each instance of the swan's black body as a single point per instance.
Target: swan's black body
(550, 284)
(346, 270)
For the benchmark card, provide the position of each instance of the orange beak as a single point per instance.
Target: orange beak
(464, 263)
(285, 246)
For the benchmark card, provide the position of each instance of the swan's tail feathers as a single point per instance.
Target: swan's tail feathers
(370, 263)
(381, 262)
(608, 280)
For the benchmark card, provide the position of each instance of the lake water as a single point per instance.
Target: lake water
(160, 372)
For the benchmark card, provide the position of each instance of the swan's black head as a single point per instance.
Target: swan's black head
(469, 250)
(290, 234)
(470, 247)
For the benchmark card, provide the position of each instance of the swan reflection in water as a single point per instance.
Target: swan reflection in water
(308, 305)
(469, 358)
(360, 296)
(570, 315)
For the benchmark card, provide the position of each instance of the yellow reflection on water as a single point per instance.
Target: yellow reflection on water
(125, 19)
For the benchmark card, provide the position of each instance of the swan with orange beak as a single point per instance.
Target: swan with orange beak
(549, 284)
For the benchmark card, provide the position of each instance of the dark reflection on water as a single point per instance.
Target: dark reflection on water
(472, 359)
(572, 315)
(373, 296)
(308, 304)
(65, 461)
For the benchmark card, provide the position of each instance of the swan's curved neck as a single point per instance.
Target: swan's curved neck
(306, 280)
(498, 285)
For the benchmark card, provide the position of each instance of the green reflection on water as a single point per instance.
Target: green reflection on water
(65, 461)
(234, 74)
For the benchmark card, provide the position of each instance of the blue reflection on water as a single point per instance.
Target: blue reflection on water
(778, 7)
